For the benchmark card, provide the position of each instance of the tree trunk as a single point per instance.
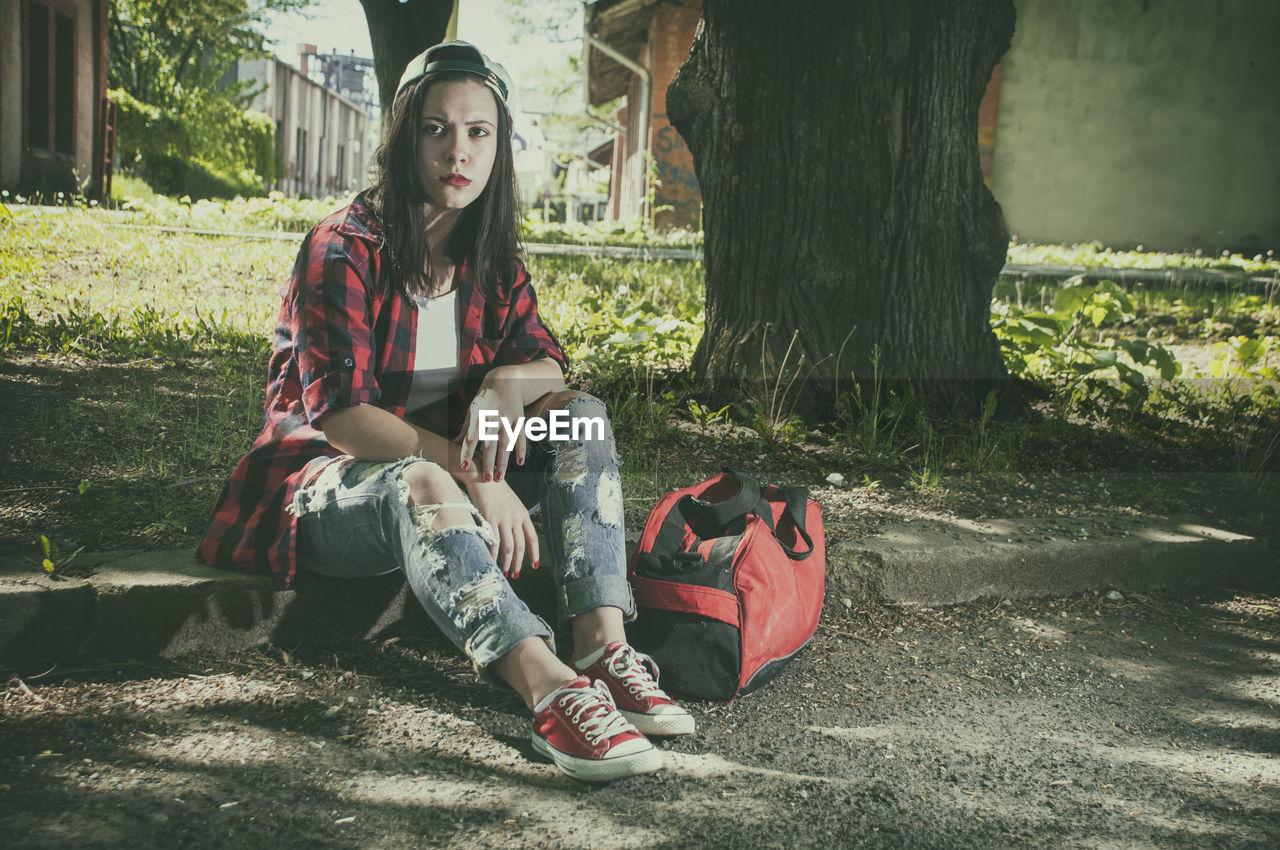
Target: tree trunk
(836, 143)
(398, 32)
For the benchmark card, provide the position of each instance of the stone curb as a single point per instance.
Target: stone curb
(944, 563)
(164, 603)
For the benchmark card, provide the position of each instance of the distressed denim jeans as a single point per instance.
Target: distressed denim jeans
(355, 519)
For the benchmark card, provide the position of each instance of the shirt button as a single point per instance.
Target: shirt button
(349, 362)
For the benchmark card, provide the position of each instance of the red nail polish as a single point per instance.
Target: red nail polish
(519, 461)
(466, 465)
(497, 476)
(535, 565)
(488, 477)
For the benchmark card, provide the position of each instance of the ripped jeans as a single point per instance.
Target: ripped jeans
(355, 520)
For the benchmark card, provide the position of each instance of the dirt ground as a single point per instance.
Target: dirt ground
(1084, 721)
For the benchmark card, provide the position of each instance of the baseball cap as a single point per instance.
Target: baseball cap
(457, 56)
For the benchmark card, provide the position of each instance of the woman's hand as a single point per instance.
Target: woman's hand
(504, 398)
(503, 510)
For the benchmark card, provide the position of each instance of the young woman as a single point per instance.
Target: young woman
(409, 322)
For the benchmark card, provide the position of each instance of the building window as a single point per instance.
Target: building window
(51, 46)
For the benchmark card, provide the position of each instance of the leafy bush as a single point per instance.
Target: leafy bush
(618, 318)
(210, 148)
(1057, 345)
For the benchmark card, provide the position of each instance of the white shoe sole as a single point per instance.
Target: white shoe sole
(600, 770)
(660, 724)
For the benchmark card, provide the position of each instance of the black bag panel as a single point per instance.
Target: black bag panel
(690, 568)
(769, 670)
(686, 568)
(698, 658)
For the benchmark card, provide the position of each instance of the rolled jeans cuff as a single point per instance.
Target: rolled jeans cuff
(579, 595)
(499, 634)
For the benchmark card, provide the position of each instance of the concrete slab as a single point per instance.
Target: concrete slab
(939, 563)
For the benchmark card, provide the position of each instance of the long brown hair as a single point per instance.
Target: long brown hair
(487, 235)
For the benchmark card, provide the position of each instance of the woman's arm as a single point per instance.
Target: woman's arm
(508, 391)
(368, 432)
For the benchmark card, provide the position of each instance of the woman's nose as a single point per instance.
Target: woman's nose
(457, 150)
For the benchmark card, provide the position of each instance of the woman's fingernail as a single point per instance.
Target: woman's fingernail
(519, 461)
(497, 476)
(466, 465)
(535, 565)
(488, 477)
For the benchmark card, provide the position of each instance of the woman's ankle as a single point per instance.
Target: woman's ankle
(596, 628)
(533, 670)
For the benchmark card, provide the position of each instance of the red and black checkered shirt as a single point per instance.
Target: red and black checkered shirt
(346, 336)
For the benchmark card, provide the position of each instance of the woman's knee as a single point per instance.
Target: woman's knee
(430, 486)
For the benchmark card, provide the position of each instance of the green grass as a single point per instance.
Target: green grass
(132, 363)
(1091, 255)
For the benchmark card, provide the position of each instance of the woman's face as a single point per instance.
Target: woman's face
(457, 142)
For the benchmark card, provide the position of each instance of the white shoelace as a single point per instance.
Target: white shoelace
(633, 668)
(593, 711)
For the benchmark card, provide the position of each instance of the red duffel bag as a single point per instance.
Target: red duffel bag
(728, 578)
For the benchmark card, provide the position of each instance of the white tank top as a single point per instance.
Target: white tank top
(435, 358)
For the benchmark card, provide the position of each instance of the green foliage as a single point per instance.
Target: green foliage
(179, 125)
(620, 318)
(210, 148)
(1057, 345)
(1249, 358)
(162, 52)
(549, 20)
(52, 561)
(132, 187)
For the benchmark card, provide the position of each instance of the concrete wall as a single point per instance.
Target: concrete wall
(329, 119)
(1153, 122)
(10, 92)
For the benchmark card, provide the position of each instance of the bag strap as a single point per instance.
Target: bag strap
(704, 516)
(688, 511)
(797, 499)
(719, 514)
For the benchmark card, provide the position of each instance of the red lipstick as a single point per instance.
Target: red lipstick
(456, 180)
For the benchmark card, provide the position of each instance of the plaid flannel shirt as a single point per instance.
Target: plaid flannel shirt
(346, 336)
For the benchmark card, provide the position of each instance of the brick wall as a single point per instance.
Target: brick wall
(670, 37)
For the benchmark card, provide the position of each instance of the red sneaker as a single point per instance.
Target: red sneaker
(579, 728)
(632, 678)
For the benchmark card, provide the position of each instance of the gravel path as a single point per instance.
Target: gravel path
(1084, 721)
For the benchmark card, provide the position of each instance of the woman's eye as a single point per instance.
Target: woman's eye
(479, 132)
(432, 129)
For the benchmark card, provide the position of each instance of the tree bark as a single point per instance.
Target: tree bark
(836, 143)
(398, 32)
